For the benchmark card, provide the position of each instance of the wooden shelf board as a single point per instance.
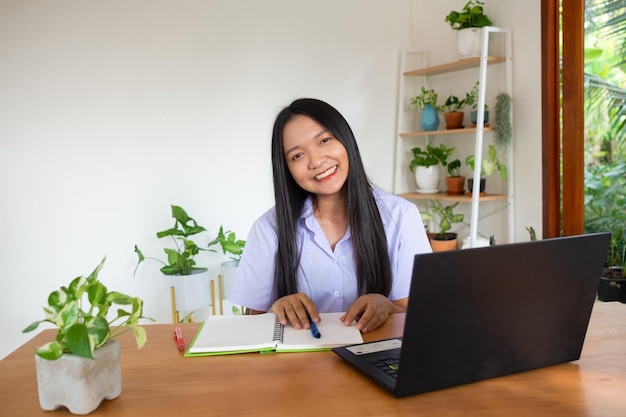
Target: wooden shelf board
(453, 66)
(466, 198)
(444, 132)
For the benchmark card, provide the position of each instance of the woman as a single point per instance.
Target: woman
(332, 242)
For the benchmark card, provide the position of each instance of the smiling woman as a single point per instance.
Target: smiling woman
(333, 242)
(316, 159)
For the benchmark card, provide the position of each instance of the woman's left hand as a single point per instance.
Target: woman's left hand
(373, 310)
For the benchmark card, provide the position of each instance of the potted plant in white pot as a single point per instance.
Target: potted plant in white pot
(191, 283)
(444, 240)
(468, 22)
(232, 247)
(81, 367)
(426, 166)
(487, 166)
(426, 101)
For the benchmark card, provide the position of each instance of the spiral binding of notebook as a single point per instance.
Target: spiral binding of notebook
(279, 330)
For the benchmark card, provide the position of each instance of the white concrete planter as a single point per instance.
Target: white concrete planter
(469, 42)
(192, 292)
(78, 383)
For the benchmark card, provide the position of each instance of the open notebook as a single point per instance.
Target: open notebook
(223, 335)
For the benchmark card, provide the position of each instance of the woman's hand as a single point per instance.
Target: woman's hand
(373, 310)
(295, 308)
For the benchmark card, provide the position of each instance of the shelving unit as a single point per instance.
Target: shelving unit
(407, 137)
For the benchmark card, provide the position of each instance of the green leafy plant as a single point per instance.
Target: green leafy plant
(80, 311)
(471, 97)
(503, 130)
(446, 216)
(430, 156)
(229, 243)
(605, 207)
(471, 16)
(616, 256)
(489, 164)
(180, 259)
(454, 168)
(453, 104)
(426, 97)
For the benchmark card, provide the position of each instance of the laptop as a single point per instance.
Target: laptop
(481, 313)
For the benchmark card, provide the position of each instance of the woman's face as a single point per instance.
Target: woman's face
(317, 160)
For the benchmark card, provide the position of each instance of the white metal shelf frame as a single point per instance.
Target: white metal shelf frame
(483, 63)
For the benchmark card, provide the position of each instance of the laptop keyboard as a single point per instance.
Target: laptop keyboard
(389, 365)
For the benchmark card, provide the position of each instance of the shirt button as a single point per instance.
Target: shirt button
(336, 293)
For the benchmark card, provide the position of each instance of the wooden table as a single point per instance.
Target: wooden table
(158, 381)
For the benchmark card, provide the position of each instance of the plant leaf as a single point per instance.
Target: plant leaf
(78, 341)
(33, 326)
(98, 331)
(51, 350)
(140, 336)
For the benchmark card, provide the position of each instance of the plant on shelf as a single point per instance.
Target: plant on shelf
(427, 102)
(471, 99)
(455, 182)
(488, 165)
(453, 112)
(503, 131)
(446, 217)
(180, 258)
(471, 16)
(425, 165)
(467, 23)
(83, 330)
(425, 98)
(453, 104)
(431, 156)
(81, 366)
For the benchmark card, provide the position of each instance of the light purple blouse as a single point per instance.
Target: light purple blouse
(327, 277)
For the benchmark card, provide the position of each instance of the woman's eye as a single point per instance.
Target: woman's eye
(296, 156)
(325, 140)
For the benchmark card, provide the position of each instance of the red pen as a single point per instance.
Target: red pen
(178, 335)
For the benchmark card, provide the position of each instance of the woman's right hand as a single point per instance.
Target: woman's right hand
(295, 309)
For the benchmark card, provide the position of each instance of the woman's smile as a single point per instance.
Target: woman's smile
(325, 174)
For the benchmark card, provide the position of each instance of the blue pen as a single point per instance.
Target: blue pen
(314, 330)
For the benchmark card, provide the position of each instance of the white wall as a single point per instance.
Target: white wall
(112, 110)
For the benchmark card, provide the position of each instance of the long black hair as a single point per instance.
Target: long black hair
(368, 234)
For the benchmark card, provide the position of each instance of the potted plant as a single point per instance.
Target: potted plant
(471, 99)
(488, 165)
(81, 367)
(444, 240)
(455, 182)
(232, 247)
(191, 283)
(427, 102)
(468, 22)
(453, 112)
(425, 165)
(612, 285)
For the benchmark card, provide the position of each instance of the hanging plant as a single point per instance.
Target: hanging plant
(502, 120)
